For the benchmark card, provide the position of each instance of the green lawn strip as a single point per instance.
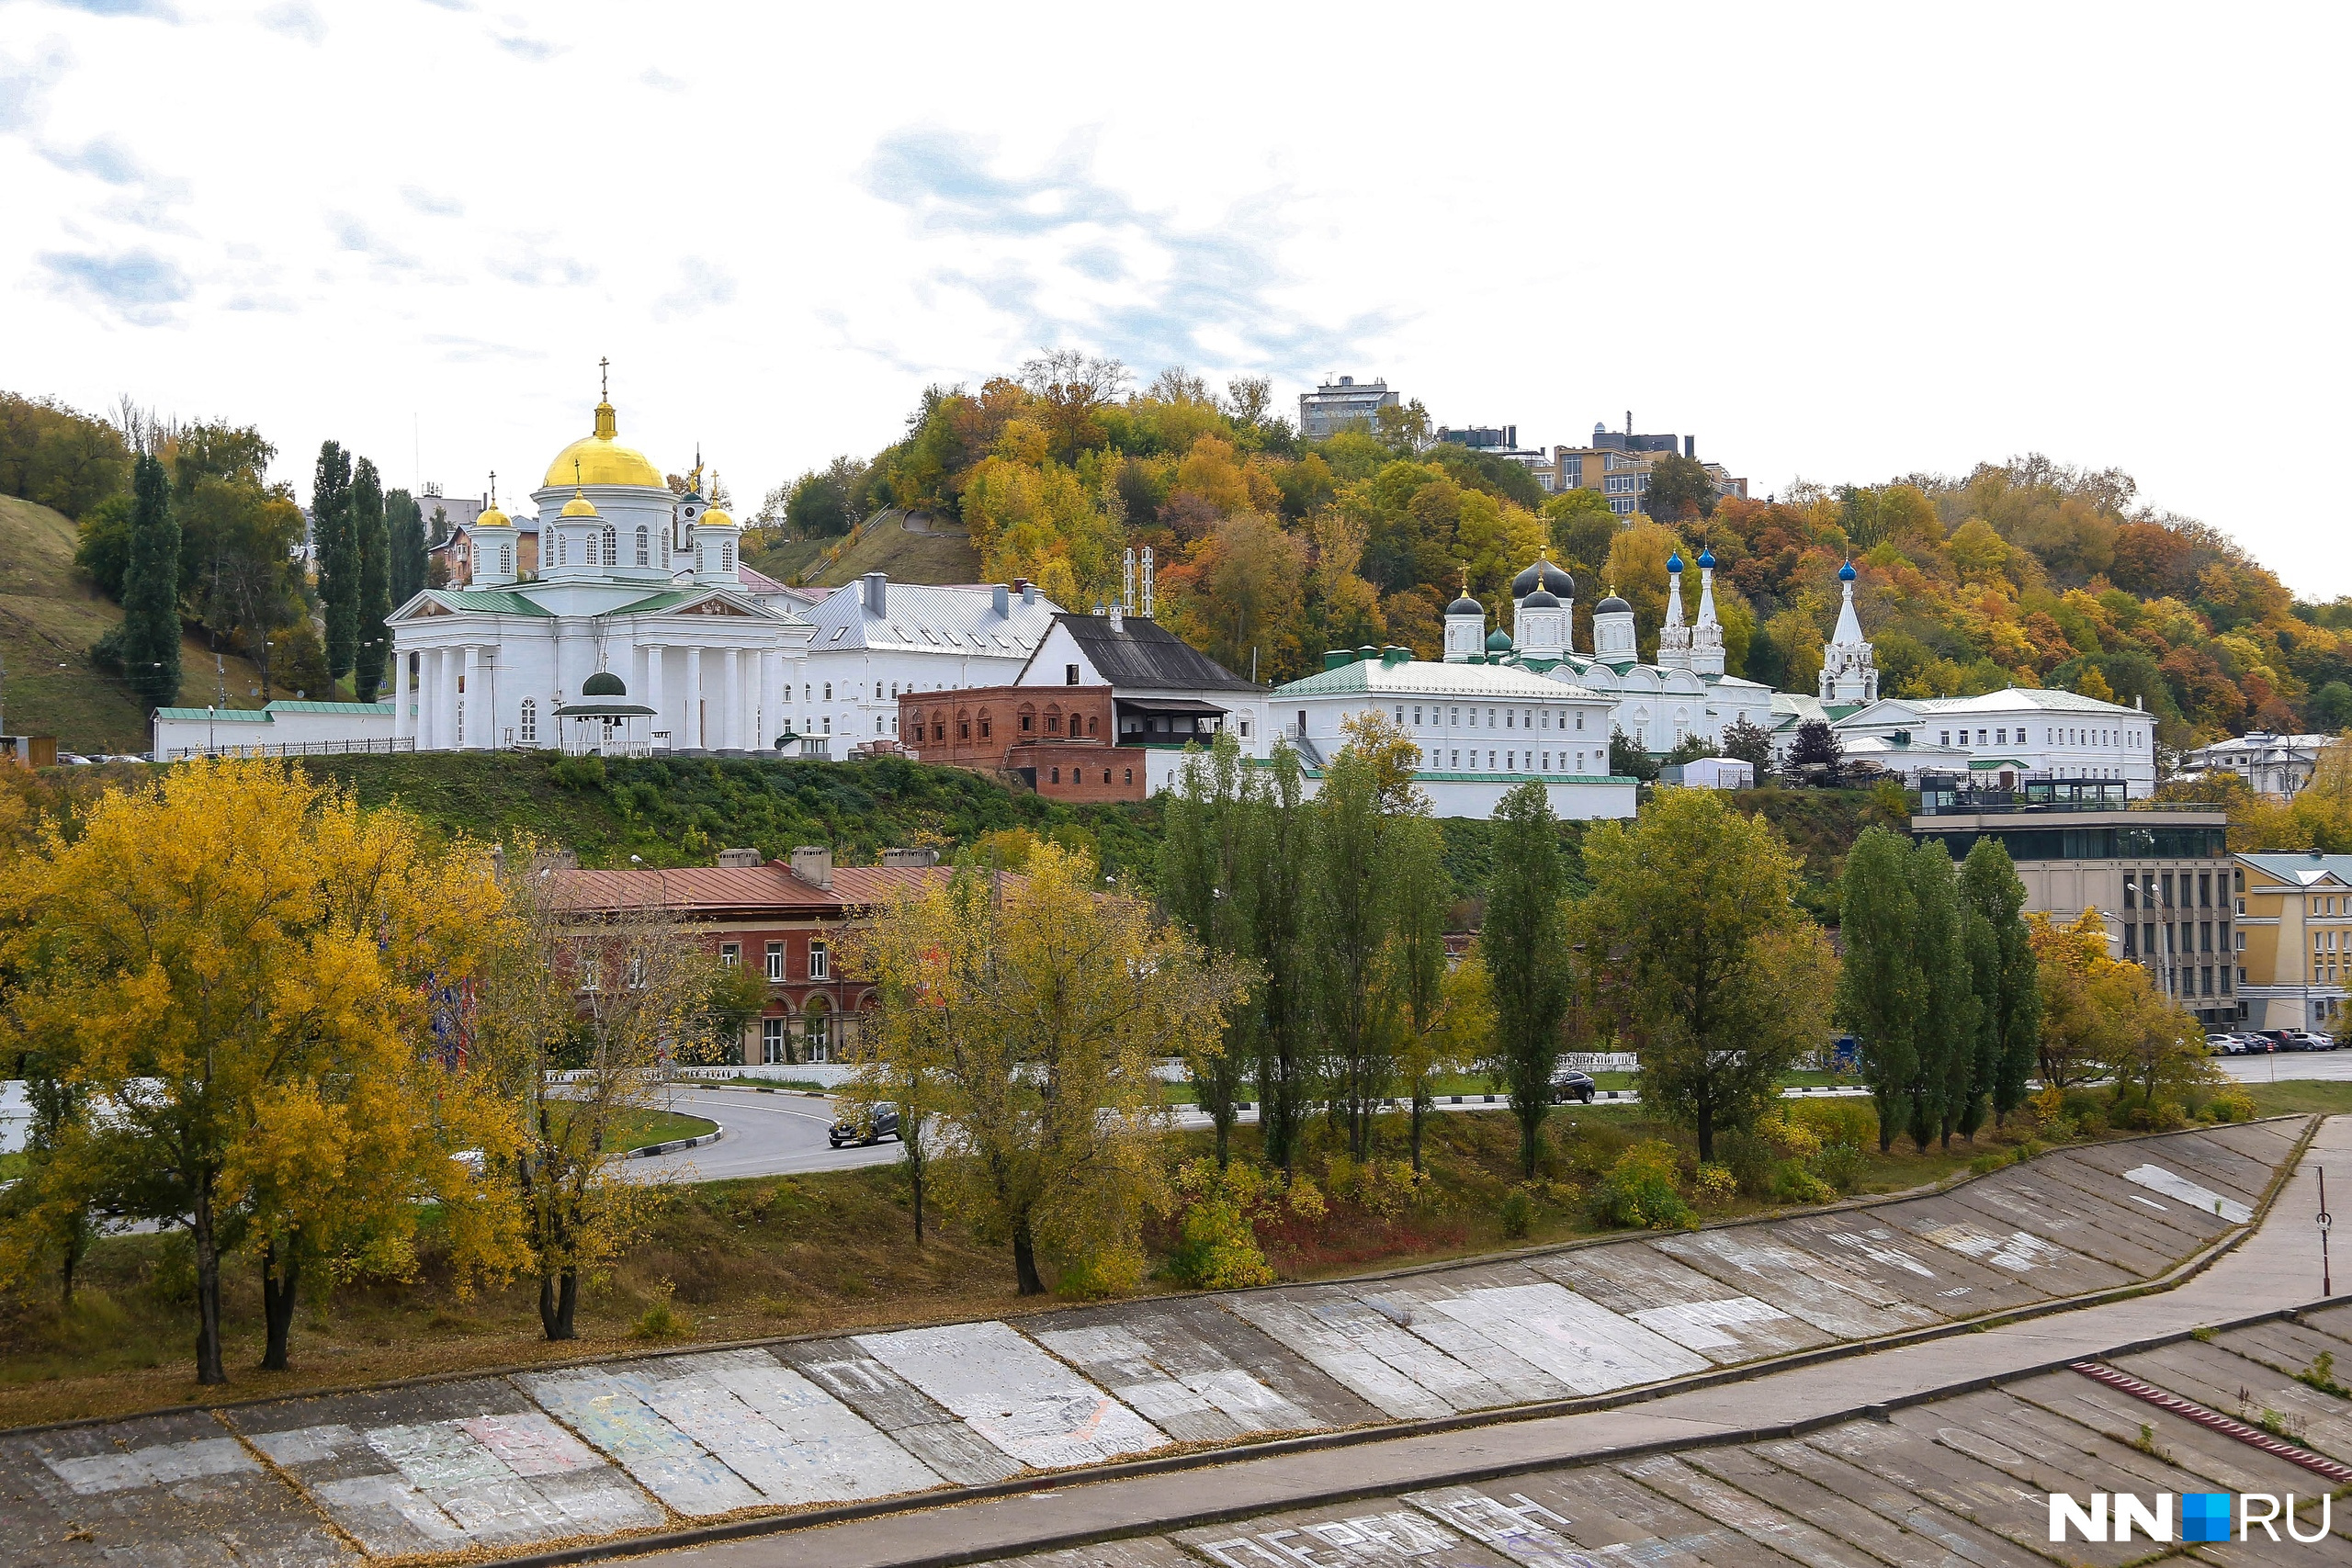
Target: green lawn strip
(2291, 1097)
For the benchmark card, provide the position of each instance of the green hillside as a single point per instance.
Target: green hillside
(917, 548)
(49, 617)
(681, 811)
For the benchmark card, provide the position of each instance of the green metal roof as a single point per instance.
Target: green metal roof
(495, 600)
(668, 598)
(217, 715)
(1426, 678)
(385, 708)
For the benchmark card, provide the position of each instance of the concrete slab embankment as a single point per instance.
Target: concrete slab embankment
(541, 1460)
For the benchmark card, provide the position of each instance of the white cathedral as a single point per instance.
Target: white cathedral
(638, 633)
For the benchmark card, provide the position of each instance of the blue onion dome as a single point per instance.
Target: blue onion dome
(1545, 576)
(1539, 600)
(1674, 563)
(1465, 605)
(1612, 605)
(1845, 572)
(603, 683)
(1498, 641)
(1706, 560)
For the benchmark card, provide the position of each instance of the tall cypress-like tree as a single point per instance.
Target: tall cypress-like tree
(1349, 920)
(1285, 1059)
(1878, 986)
(1946, 1030)
(1209, 873)
(404, 524)
(1988, 881)
(338, 558)
(1526, 949)
(148, 642)
(374, 547)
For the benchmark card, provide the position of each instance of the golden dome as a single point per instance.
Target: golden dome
(599, 459)
(714, 518)
(578, 507)
(493, 518)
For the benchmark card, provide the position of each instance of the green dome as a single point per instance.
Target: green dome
(603, 683)
(1498, 641)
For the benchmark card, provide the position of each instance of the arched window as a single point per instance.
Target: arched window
(559, 547)
(727, 555)
(1057, 775)
(963, 726)
(817, 1031)
(644, 547)
(612, 547)
(984, 724)
(477, 558)
(527, 729)
(506, 558)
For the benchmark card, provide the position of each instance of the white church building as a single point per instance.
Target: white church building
(637, 634)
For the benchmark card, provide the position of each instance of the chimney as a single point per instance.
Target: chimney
(813, 864)
(909, 860)
(741, 859)
(1119, 615)
(877, 592)
(1028, 593)
(1000, 600)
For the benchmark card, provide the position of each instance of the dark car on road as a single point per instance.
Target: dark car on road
(866, 1126)
(1568, 1084)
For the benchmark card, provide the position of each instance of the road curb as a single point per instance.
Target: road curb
(675, 1144)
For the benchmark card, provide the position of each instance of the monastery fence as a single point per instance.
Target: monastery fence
(290, 749)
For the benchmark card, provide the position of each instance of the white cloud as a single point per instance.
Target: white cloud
(1850, 252)
(296, 19)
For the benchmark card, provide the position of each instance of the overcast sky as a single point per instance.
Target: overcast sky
(1843, 243)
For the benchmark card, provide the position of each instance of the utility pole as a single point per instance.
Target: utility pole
(2326, 1279)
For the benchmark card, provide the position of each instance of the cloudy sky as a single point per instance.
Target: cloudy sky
(1835, 242)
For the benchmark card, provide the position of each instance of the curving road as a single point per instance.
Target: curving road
(767, 1135)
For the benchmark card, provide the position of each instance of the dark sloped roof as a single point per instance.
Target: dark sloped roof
(1146, 654)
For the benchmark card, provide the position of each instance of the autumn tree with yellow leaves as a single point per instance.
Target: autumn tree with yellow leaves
(1035, 1008)
(2103, 1018)
(237, 972)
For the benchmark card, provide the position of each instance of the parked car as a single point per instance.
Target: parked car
(2296, 1040)
(2223, 1045)
(866, 1126)
(1569, 1084)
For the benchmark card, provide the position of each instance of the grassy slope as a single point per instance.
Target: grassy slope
(48, 618)
(825, 1251)
(887, 545)
(681, 812)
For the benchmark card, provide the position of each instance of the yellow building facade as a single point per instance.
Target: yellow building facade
(2294, 939)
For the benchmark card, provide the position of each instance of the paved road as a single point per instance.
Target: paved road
(2281, 1066)
(2277, 1267)
(767, 1135)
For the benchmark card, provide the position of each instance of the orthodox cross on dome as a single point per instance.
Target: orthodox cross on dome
(493, 490)
(604, 380)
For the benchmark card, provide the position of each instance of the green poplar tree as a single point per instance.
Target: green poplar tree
(148, 645)
(1878, 985)
(1988, 881)
(1526, 948)
(1947, 1028)
(338, 562)
(1285, 1056)
(1209, 875)
(1416, 969)
(1349, 916)
(405, 525)
(373, 544)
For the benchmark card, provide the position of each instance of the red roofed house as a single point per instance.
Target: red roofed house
(788, 920)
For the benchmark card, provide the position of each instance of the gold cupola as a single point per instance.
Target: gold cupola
(599, 458)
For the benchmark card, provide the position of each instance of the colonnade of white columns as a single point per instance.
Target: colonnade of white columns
(729, 698)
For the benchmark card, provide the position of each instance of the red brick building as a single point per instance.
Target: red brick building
(1060, 739)
(786, 922)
